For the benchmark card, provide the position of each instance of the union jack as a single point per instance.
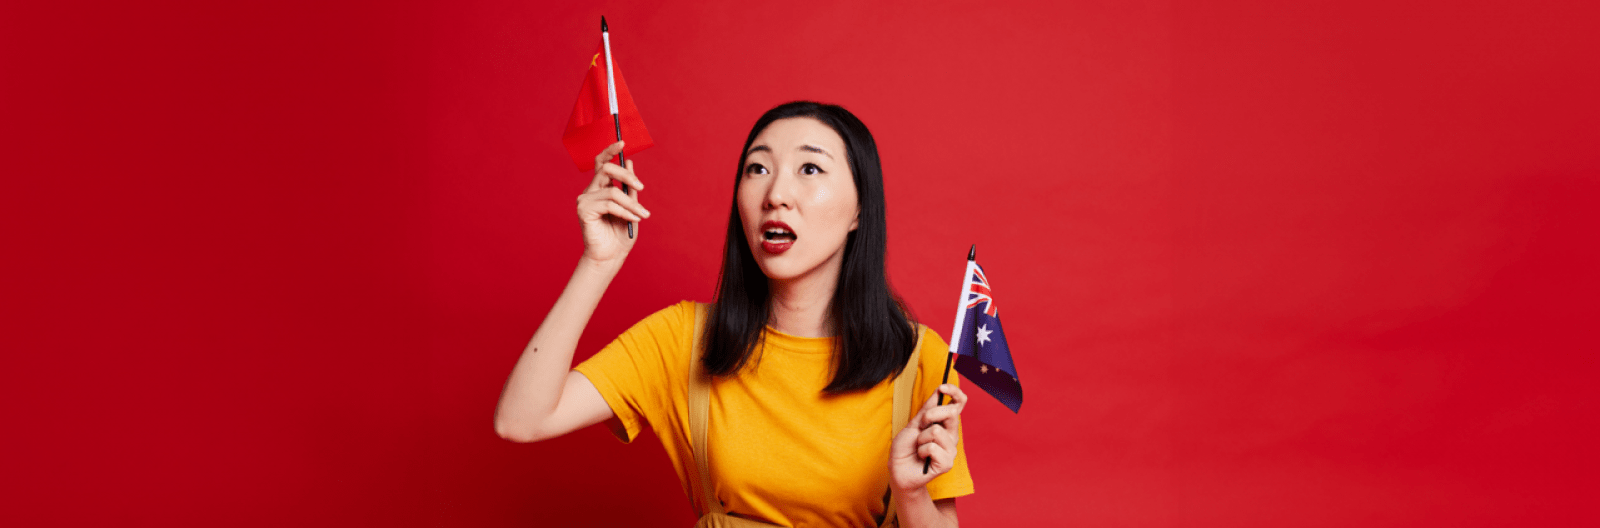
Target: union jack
(978, 291)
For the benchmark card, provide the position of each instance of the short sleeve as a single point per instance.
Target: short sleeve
(638, 371)
(958, 481)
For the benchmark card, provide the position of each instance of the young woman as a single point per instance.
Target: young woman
(801, 350)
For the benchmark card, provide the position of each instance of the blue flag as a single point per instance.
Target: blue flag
(980, 345)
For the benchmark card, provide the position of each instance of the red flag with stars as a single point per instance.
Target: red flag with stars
(590, 130)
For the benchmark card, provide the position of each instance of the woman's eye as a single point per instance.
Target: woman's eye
(810, 168)
(755, 168)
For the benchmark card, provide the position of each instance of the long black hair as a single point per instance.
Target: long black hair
(873, 336)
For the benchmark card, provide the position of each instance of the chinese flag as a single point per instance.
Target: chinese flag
(589, 130)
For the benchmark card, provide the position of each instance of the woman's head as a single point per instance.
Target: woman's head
(797, 199)
(809, 175)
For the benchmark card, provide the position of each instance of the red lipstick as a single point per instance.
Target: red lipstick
(776, 237)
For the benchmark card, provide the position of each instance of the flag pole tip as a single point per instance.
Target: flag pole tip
(973, 254)
(603, 24)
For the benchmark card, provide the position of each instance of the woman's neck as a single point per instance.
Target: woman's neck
(800, 306)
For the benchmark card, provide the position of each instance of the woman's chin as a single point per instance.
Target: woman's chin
(780, 267)
(776, 273)
(786, 265)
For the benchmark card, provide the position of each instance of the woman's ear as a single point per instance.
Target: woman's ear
(857, 220)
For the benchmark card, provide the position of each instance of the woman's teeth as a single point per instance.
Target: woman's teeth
(776, 234)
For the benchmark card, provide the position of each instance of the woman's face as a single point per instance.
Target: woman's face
(797, 199)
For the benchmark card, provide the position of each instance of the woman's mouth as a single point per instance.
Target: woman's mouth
(776, 237)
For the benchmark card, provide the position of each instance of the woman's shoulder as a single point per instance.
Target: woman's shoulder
(932, 355)
(665, 332)
(679, 315)
(660, 341)
(932, 344)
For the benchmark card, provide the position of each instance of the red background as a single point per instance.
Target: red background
(1261, 263)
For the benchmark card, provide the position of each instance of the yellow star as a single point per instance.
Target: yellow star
(984, 369)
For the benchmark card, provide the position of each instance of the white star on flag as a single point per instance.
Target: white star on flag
(983, 334)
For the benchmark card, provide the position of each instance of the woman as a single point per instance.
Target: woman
(801, 350)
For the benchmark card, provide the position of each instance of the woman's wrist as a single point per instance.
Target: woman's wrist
(590, 280)
(916, 509)
(919, 493)
(604, 268)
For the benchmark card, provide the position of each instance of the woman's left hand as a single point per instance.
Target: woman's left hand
(933, 432)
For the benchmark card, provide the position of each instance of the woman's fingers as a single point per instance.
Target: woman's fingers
(630, 203)
(943, 421)
(939, 435)
(607, 213)
(937, 451)
(611, 151)
(932, 413)
(633, 179)
(943, 459)
(955, 393)
(617, 210)
(608, 172)
(956, 396)
(614, 172)
(596, 201)
(942, 414)
(937, 428)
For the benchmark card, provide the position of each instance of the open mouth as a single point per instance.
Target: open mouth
(778, 234)
(776, 237)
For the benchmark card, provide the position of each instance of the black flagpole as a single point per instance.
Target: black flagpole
(611, 87)
(972, 255)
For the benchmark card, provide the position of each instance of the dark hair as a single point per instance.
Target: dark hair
(873, 336)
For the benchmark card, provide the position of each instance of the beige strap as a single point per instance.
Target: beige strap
(699, 415)
(723, 520)
(711, 512)
(902, 411)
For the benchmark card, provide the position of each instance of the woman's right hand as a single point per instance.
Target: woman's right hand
(604, 210)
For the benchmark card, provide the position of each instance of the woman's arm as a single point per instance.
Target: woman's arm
(543, 398)
(914, 510)
(933, 433)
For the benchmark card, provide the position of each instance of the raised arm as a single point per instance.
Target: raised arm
(544, 398)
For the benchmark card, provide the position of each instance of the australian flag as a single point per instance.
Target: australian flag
(979, 343)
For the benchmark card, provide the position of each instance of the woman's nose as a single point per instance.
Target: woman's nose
(778, 195)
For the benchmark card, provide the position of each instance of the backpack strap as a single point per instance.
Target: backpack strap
(699, 415)
(902, 411)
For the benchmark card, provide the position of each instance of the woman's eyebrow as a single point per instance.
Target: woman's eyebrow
(757, 148)
(816, 149)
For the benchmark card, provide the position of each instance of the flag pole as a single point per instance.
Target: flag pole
(611, 95)
(955, 333)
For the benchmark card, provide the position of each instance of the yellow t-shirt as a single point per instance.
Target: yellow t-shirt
(781, 451)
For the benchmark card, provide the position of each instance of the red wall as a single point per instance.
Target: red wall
(1262, 263)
